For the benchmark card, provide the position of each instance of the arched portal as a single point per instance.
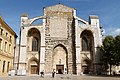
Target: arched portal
(87, 51)
(60, 59)
(33, 49)
(33, 66)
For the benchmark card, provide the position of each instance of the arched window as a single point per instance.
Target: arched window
(85, 46)
(34, 44)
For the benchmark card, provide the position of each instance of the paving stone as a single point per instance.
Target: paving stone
(59, 77)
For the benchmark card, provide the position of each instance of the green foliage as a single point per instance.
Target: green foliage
(108, 50)
(117, 49)
(111, 51)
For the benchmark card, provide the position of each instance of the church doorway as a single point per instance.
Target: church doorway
(33, 66)
(60, 69)
(34, 69)
(59, 59)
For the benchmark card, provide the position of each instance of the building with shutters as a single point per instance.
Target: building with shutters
(7, 47)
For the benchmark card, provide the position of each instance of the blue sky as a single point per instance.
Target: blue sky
(107, 10)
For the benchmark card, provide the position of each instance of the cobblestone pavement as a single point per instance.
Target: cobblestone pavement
(59, 77)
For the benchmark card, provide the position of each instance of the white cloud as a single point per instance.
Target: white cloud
(115, 32)
(112, 31)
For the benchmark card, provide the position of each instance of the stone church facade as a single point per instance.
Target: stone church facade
(63, 42)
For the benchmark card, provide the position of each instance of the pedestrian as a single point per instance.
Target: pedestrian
(65, 72)
(42, 74)
(53, 73)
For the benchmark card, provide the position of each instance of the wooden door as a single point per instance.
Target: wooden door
(34, 69)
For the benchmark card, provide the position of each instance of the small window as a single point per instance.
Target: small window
(10, 38)
(9, 48)
(1, 31)
(8, 66)
(5, 47)
(3, 70)
(6, 34)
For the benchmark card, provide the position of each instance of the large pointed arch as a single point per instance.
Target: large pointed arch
(60, 58)
(87, 40)
(33, 39)
(33, 49)
(87, 50)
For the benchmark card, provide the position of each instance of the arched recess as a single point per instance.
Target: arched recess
(60, 59)
(33, 66)
(34, 39)
(33, 49)
(87, 50)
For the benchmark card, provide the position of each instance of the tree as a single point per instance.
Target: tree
(108, 52)
(117, 49)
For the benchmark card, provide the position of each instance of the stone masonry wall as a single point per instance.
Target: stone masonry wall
(61, 35)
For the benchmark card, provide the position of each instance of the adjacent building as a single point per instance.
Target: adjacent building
(64, 42)
(7, 47)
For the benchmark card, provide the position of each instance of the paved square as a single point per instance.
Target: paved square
(59, 77)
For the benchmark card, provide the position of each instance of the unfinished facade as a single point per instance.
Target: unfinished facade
(63, 42)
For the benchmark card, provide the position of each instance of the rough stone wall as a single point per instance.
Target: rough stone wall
(71, 47)
(60, 27)
(61, 33)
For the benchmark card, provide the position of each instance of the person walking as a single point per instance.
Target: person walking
(53, 73)
(42, 74)
(65, 72)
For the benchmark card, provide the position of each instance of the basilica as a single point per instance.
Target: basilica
(63, 42)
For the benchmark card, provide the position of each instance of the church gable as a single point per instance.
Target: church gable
(60, 8)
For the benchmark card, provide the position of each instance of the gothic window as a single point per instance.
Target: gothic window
(34, 44)
(85, 46)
